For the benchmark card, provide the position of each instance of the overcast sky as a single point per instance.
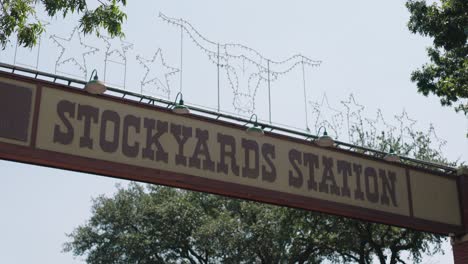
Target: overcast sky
(365, 49)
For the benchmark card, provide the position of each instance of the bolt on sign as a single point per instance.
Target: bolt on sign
(53, 125)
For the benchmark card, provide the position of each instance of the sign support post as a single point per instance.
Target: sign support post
(460, 249)
(460, 241)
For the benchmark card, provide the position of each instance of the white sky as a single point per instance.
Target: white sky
(365, 47)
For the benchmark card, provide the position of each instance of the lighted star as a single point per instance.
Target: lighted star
(406, 124)
(435, 140)
(157, 73)
(73, 50)
(326, 116)
(353, 116)
(378, 125)
(116, 47)
(353, 109)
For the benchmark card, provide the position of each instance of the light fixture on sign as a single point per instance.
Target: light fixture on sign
(180, 108)
(254, 130)
(94, 85)
(392, 157)
(325, 140)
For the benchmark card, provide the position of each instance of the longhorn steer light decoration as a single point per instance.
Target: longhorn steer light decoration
(245, 68)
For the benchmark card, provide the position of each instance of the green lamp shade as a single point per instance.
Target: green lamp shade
(325, 140)
(392, 157)
(180, 109)
(95, 86)
(255, 131)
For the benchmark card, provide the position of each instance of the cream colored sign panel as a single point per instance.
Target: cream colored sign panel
(105, 130)
(435, 198)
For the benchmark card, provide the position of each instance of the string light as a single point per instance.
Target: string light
(379, 125)
(328, 117)
(231, 55)
(116, 47)
(432, 135)
(353, 118)
(406, 124)
(65, 43)
(156, 78)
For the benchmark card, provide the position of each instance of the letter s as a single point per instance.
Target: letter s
(268, 153)
(295, 159)
(66, 137)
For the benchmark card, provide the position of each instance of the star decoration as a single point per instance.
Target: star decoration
(116, 47)
(406, 124)
(329, 118)
(439, 142)
(157, 73)
(70, 49)
(379, 125)
(353, 116)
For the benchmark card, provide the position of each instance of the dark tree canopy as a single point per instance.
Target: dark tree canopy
(446, 75)
(16, 18)
(155, 224)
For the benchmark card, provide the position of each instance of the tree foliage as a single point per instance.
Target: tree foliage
(155, 224)
(447, 73)
(166, 225)
(17, 18)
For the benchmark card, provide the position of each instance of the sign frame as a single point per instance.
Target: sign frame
(32, 155)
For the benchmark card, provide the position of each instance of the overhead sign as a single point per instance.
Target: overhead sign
(47, 124)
